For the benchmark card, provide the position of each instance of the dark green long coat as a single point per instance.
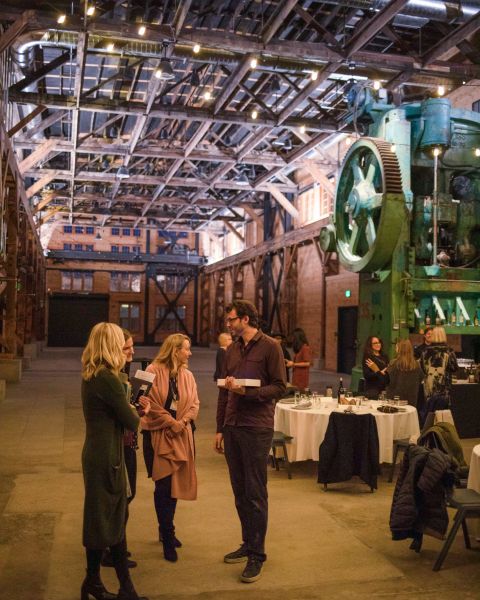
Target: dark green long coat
(106, 413)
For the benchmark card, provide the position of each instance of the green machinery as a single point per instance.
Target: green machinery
(407, 217)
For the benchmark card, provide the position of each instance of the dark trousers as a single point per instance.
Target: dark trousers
(246, 451)
(165, 507)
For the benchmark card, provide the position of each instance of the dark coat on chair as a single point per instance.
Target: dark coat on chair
(350, 448)
(419, 501)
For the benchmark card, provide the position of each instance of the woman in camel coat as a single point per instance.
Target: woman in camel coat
(168, 438)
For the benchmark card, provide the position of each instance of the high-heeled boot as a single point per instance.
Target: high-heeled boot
(176, 541)
(128, 592)
(92, 586)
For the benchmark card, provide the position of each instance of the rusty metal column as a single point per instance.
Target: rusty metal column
(11, 268)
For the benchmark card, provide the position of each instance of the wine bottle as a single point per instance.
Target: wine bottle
(475, 319)
(453, 320)
(341, 392)
(427, 318)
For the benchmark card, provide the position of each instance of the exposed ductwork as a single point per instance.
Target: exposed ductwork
(434, 10)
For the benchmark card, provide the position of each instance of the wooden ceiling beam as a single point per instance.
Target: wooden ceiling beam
(35, 157)
(154, 150)
(23, 122)
(282, 200)
(327, 36)
(373, 26)
(103, 177)
(277, 20)
(233, 229)
(453, 39)
(16, 29)
(39, 185)
(106, 105)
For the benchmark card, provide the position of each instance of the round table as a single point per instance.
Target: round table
(308, 427)
(474, 472)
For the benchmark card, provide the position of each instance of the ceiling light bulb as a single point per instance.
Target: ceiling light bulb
(377, 85)
(61, 19)
(477, 151)
(141, 30)
(253, 63)
(254, 113)
(207, 95)
(90, 11)
(464, 82)
(110, 47)
(314, 75)
(393, 148)
(303, 129)
(348, 141)
(436, 151)
(158, 73)
(196, 48)
(441, 90)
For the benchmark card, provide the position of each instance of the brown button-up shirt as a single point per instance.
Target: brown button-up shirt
(261, 358)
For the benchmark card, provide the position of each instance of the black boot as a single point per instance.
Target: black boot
(169, 551)
(92, 586)
(128, 592)
(176, 541)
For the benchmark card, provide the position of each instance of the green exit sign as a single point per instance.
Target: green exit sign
(348, 293)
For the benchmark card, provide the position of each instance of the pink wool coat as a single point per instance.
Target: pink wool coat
(172, 441)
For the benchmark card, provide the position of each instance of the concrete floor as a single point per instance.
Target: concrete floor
(320, 545)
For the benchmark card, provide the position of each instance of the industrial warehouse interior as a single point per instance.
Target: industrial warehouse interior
(161, 159)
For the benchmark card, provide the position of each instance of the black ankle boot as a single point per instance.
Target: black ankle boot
(169, 551)
(128, 592)
(92, 586)
(176, 541)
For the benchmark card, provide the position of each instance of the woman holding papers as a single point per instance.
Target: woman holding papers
(168, 439)
(107, 413)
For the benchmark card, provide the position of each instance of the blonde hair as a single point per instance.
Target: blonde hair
(223, 337)
(104, 349)
(167, 355)
(405, 359)
(438, 336)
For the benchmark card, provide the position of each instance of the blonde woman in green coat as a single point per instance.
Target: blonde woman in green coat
(107, 413)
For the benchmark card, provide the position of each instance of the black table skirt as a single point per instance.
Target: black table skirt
(466, 409)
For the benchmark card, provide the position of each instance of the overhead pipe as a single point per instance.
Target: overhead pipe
(434, 10)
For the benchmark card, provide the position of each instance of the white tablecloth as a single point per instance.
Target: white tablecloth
(474, 472)
(308, 429)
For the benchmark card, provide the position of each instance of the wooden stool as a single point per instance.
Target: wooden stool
(280, 440)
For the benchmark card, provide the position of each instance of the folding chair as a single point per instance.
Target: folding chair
(402, 445)
(280, 440)
(467, 503)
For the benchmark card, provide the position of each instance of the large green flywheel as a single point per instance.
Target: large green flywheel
(369, 206)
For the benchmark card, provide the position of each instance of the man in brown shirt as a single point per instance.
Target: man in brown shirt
(245, 428)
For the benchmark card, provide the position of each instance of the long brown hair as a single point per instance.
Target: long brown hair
(167, 355)
(405, 360)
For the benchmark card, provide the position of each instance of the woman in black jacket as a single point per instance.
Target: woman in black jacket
(374, 364)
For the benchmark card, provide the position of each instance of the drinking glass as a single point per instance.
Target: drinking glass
(348, 396)
(396, 400)
(329, 391)
(296, 398)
